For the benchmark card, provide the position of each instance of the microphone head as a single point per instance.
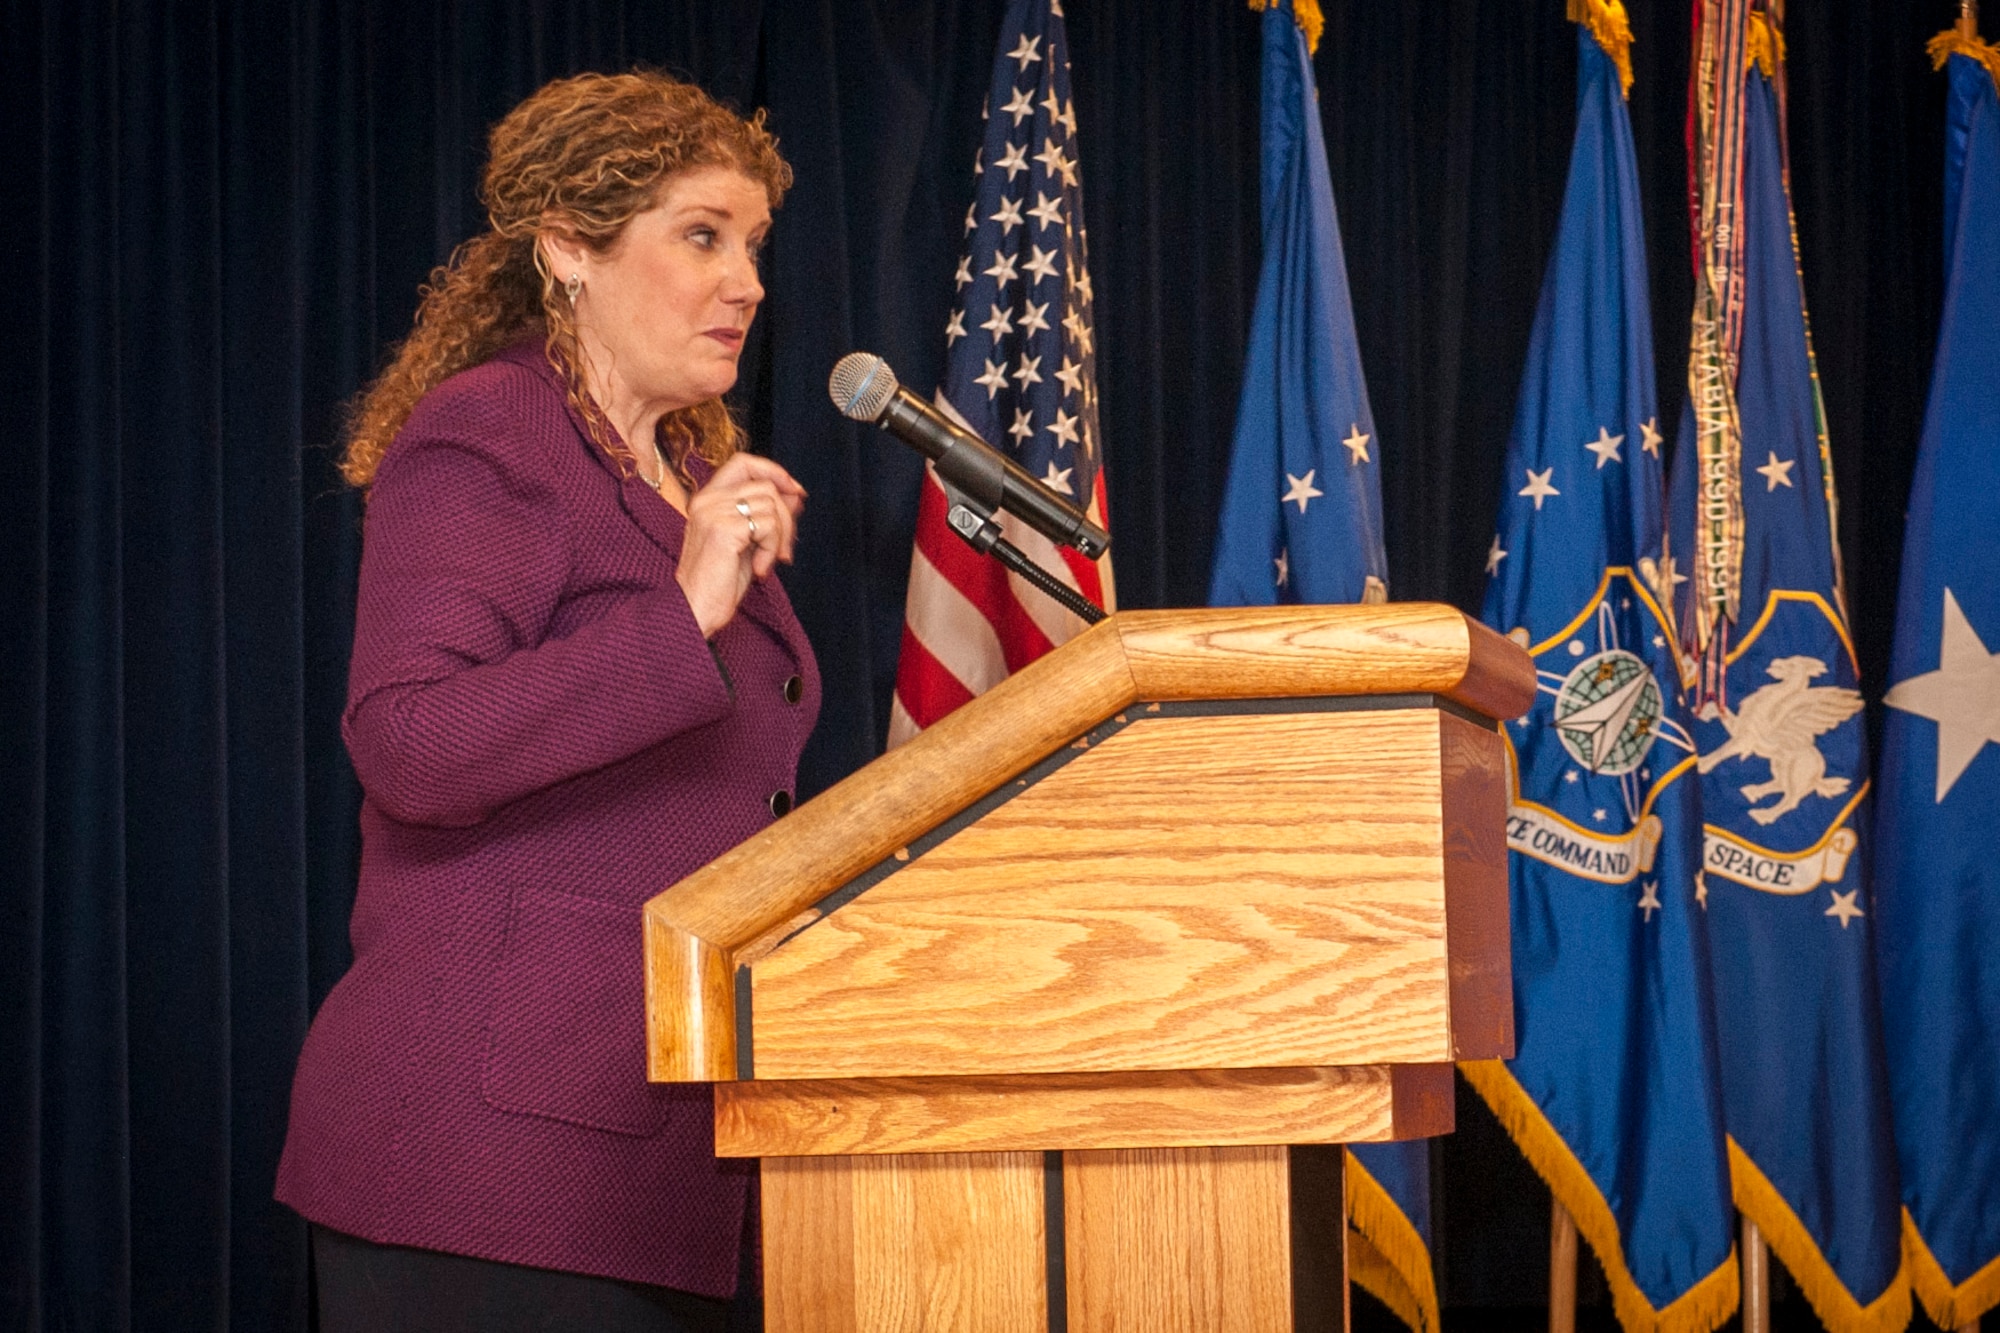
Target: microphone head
(861, 386)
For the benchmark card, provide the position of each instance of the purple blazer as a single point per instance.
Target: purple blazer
(545, 741)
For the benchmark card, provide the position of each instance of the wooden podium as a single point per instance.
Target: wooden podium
(1054, 1017)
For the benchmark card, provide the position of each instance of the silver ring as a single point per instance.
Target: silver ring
(743, 508)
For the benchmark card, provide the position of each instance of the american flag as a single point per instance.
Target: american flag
(1020, 371)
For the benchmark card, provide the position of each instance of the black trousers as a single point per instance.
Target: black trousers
(369, 1288)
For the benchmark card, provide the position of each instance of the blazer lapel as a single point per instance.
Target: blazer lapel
(763, 602)
(656, 518)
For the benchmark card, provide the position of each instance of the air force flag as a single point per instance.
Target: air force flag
(1614, 1095)
(1302, 511)
(1302, 522)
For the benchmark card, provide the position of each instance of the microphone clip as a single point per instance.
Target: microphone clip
(975, 525)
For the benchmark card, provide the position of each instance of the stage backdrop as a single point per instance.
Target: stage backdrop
(220, 214)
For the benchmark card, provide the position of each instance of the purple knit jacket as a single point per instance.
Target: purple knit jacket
(545, 741)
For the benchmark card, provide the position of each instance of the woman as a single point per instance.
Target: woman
(574, 681)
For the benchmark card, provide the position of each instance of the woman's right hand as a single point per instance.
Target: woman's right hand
(739, 526)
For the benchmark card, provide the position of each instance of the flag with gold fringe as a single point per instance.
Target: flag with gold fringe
(1937, 881)
(1302, 522)
(1614, 1094)
(1778, 717)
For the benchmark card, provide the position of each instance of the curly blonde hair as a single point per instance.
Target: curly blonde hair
(583, 155)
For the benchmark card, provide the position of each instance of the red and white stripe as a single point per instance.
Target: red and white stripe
(968, 623)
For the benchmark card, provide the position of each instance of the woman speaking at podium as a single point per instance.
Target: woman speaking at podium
(574, 680)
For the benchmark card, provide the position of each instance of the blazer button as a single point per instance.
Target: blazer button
(795, 689)
(781, 803)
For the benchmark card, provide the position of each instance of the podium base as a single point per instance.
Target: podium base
(1166, 1240)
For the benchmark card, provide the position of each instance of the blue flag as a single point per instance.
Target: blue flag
(1302, 513)
(1937, 881)
(1302, 522)
(1784, 792)
(1614, 1093)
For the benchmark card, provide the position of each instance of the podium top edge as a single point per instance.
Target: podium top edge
(1207, 653)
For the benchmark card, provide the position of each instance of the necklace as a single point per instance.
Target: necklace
(658, 483)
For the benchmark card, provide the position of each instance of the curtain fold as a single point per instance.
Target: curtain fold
(221, 212)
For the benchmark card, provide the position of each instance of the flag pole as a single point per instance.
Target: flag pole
(1562, 1269)
(1968, 27)
(1756, 1280)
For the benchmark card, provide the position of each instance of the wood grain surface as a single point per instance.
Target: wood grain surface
(1473, 769)
(690, 1005)
(1181, 1108)
(1178, 1240)
(744, 901)
(1208, 892)
(905, 1244)
(1269, 651)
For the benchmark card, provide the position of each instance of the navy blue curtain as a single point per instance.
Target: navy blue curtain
(219, 212)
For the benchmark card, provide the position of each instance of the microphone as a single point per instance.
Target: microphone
(865, 389)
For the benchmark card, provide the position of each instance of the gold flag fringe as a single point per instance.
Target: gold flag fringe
(1951, 42)
(1758, 1199)
(1305, 13)
(1764, 45)
(1613, 30)
(1949, 1306)
(1705, 1306)
(1385, 1253)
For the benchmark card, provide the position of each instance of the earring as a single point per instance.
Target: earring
(573, 287)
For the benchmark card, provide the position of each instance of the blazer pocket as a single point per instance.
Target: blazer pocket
(566, 1033)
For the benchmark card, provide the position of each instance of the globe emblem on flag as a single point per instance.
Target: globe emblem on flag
(1608, 712)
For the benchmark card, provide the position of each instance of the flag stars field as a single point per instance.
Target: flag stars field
(1357, 444)
(1775, 473)
(1302, 491)
(1844, 907)
(1052, 160)
(1538, 488)
(1605, 446)
(1494, 555)
(1650, 437)
(1063, 428)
